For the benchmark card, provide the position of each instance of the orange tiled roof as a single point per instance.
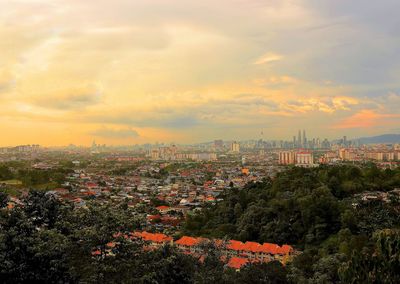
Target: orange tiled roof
(237, 262)
(111, 244)
(96, 252)
(256, 247)
(235, 245)
(163, 207)
(252, 246)
(157, 238)
(285, 249)
(188, 241)
(270, 248)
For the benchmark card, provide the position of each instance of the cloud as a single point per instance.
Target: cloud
(152, 119)
(321, 104)
(276, 81)
(70, 99)
(4, 87)
(112, 133)
(178, 67)
(268, 58)
(367, 119)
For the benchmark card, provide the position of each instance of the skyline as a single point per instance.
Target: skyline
(286, 143)
(132, 72)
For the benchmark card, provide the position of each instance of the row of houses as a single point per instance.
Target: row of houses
(236, 253)
(232, 248)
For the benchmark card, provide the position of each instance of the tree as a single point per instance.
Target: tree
(5, 173)
(3, 199)
(271, 272)
(43, 209)
(379, 264)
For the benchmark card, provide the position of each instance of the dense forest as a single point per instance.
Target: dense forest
(321, 212)
(30, 177)
(46, 241)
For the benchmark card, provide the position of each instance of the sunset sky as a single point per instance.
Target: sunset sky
(137, 71)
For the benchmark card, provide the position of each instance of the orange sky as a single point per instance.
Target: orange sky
(128, 72)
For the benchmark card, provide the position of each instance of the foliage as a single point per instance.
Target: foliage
(319, 211)
(342, 238)
(378, 264)
(33, 177)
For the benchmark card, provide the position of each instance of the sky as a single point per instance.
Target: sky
(183, 71)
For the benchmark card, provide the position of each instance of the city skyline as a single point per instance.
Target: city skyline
(135, 72)
(314, 142)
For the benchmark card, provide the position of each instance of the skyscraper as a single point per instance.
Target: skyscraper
(304, 139)
(299, 141)
(235, 147)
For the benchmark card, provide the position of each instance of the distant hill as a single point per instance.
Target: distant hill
(385, 138)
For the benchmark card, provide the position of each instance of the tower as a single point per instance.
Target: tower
(235, 147)
(299, 141)
(304, 139)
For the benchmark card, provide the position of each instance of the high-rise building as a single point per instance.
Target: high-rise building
(304, 159)
(235, 147)
(304, 139)
(325, 144)
(287, 157)
(155, 154)
(299, 141)
(301, 159)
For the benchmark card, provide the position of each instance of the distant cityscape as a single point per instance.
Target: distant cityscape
(300, 150)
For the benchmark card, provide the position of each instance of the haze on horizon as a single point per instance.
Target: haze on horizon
(141, 71)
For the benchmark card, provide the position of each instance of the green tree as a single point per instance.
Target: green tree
(379, 264)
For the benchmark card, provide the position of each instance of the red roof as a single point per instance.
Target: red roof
(157, 238)
(188, 241)
(252, 246)
(96, 252)
(256, 247)
(162, 208)
(271, 248)
(285, 249)
(235, 245)
(111, 244)
(237, 262)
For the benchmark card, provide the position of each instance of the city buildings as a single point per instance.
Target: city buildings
(235, 147)
(298, 158)
(287, 158)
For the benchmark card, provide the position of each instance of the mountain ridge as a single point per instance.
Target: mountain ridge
(384, 138)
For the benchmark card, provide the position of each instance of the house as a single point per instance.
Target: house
(189, 244)
(237, 262)
(153, 240)
(163, 209)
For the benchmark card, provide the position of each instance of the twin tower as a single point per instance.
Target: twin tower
(301, 141)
